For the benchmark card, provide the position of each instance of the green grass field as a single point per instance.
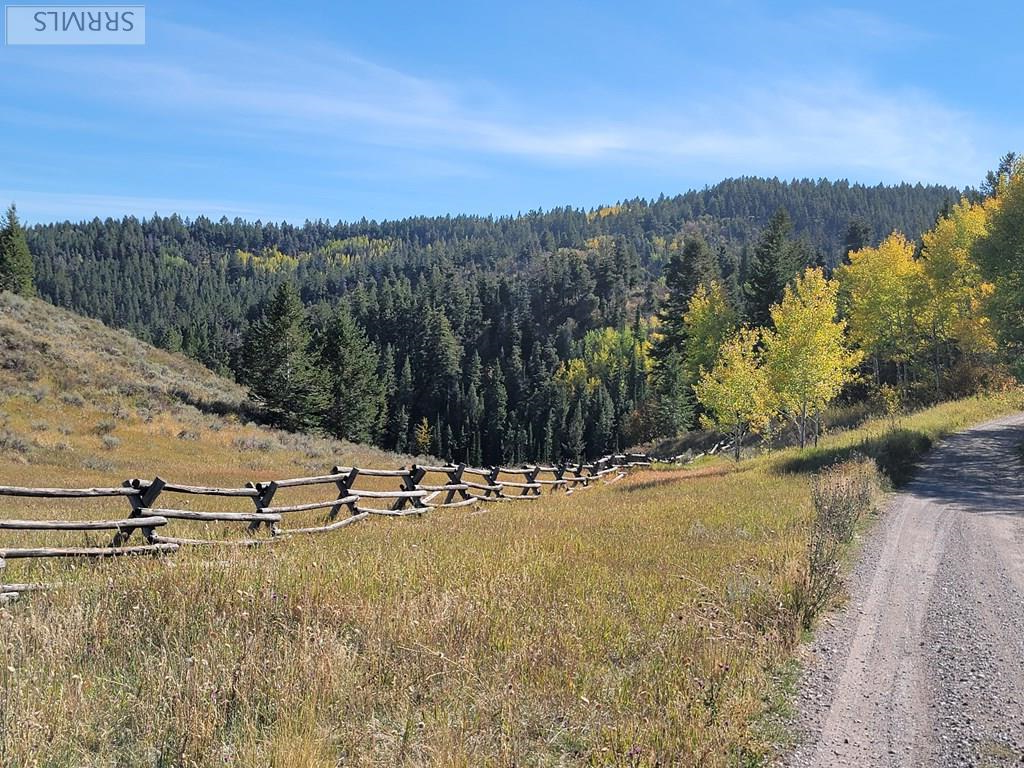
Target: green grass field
(641, 623)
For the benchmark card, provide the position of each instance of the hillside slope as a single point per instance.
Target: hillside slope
(470, 322)
(198, 283)
(81, 403)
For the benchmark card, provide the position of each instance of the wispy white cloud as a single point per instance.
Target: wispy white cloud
(846, 123)
(328, 102)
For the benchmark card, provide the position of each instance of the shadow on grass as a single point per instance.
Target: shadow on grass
(673, 476)
(645, 485)
(244, 410)
(896, 453)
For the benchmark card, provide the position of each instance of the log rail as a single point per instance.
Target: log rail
(422, 488)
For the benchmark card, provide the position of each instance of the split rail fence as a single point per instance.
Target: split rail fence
(154, 506)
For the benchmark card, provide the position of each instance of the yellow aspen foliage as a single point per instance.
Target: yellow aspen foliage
(423, 436)
(881, 289)
(575, 375)
(955, 290)
(708, 321)
(806, 355)
(735, 392)
(998, 254)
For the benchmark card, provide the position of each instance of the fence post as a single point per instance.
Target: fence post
(559, 475)
(262, 501)
(344, 485)
(492, 479)
(532, 478)
(410, 480)
(455, 478)
(144, 500)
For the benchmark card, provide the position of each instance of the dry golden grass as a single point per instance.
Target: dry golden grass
(616, 626)
(83, 405)
(633, 624)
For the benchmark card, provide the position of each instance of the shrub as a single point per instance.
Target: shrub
(12, 441)
(841, 494)
(110, 442)
(73, 399)
(261, 444)
(97, 464)
(898, 451)
(105, 427)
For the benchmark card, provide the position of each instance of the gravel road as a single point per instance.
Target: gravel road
(925, 665)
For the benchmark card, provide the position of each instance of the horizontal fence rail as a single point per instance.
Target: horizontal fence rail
(422, 488)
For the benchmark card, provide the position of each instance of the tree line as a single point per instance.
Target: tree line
(544, 335)
(902, 321)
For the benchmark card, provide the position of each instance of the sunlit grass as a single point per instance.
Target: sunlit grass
(637, 624)
(897, 444)
(619, 625)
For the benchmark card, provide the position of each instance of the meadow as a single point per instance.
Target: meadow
(647, 622)
(635, 624)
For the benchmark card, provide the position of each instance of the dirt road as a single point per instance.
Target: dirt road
(925, 666)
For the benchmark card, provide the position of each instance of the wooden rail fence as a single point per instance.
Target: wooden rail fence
(155, 504)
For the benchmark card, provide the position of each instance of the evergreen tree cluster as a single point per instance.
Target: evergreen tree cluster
(16, 269)
(473, 338)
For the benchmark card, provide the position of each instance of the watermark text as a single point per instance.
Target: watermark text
(75, 25)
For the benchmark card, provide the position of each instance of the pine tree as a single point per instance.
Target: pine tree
(673, 401)
(439, 363)
(401, 429)
(1009, 164)
(575, 443)
(858, 235)
(389, 386)
(356, 388)
(16, 267)
(600, 428)
(279, 367)
(495, 416)
(693, 265)
(473, 410)
(171, 339)
(769, 270)
(402, 407)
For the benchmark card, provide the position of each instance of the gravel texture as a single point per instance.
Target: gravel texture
(925, 665)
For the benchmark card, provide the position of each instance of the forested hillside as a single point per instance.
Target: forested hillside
(471, 338)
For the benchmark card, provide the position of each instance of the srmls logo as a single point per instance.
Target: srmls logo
(75, 25)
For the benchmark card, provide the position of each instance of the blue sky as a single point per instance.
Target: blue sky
(343, 110)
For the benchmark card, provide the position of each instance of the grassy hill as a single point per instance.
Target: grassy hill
(641, 623)
(81, 403)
